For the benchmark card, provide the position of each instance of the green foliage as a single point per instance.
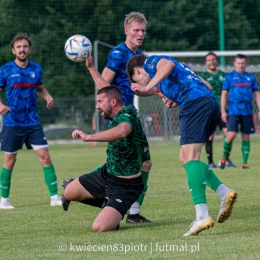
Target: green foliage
(172, 26)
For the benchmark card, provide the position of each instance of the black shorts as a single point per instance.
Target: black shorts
(146, 153)
(121, 193)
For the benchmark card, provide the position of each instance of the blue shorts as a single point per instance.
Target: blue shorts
(13, 137)
(246, 124)
(198, 120)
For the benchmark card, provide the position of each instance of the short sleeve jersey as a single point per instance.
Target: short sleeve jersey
(117, 60)
(19, 85)
(124, 157)
(216, 81)
(182, 85)
(240, 89)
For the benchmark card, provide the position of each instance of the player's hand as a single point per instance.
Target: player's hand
(224, 117)
(4, 110)
(50, 102)
(168, 103)
(78, 133)
(89, 62)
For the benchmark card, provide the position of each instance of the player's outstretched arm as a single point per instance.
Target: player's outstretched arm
(98, 79)
(116, 133)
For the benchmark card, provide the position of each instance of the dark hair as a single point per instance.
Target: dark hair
(240, 56)
(21, 36)
(112, 92)
(211, 53)
(135, 62)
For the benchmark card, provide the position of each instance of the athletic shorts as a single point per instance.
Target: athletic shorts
(121, 193)
(246, 124)
(198, 120)
(13, 137)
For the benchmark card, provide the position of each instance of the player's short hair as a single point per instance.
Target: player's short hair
(21, 36)
(211, 53)
(134, 16)
(240, 56)
(135, 62)
(112, 92)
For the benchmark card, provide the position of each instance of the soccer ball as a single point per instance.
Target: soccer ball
(78, 48)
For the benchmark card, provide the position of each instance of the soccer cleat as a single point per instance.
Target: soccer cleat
(199, 225)
(56, 201)
(212, 165)
(6, 204)
(66, 182)
(245, 166)
(65, 203)
(136, 218)
(222, 163)
(226, 205)
(230, 164)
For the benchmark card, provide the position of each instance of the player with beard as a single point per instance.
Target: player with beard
(22, 82)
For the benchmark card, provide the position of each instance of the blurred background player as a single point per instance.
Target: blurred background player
(215, 77)
(22, 82)
(237, 94)
(115, 74)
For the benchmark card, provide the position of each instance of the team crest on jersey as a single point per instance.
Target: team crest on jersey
(32, 74)
(248, 78)
(221, 78)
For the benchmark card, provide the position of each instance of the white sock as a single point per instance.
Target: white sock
(201, 211)
(55, 197)
(135, 208)
(222, 190)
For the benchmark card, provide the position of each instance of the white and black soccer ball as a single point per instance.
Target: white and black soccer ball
(78, 48)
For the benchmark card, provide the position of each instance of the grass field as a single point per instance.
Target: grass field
(34, 230)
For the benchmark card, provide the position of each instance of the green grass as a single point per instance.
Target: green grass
(34, 230)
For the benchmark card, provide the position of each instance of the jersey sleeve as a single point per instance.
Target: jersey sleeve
(115, 60)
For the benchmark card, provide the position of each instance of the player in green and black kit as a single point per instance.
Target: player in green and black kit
(119, 179)
(215, 77)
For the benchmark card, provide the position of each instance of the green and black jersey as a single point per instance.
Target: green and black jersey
(124, 157)
(215, 80)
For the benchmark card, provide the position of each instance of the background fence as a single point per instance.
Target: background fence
(173, 26)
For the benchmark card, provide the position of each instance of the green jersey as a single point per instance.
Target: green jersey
(124, 157)
(215, 80)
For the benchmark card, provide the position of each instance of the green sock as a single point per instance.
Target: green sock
(196, 181)
(226, 149)
(5, 182)
(50, 179)
(145, 176)
(245, 148)
(212, 180)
